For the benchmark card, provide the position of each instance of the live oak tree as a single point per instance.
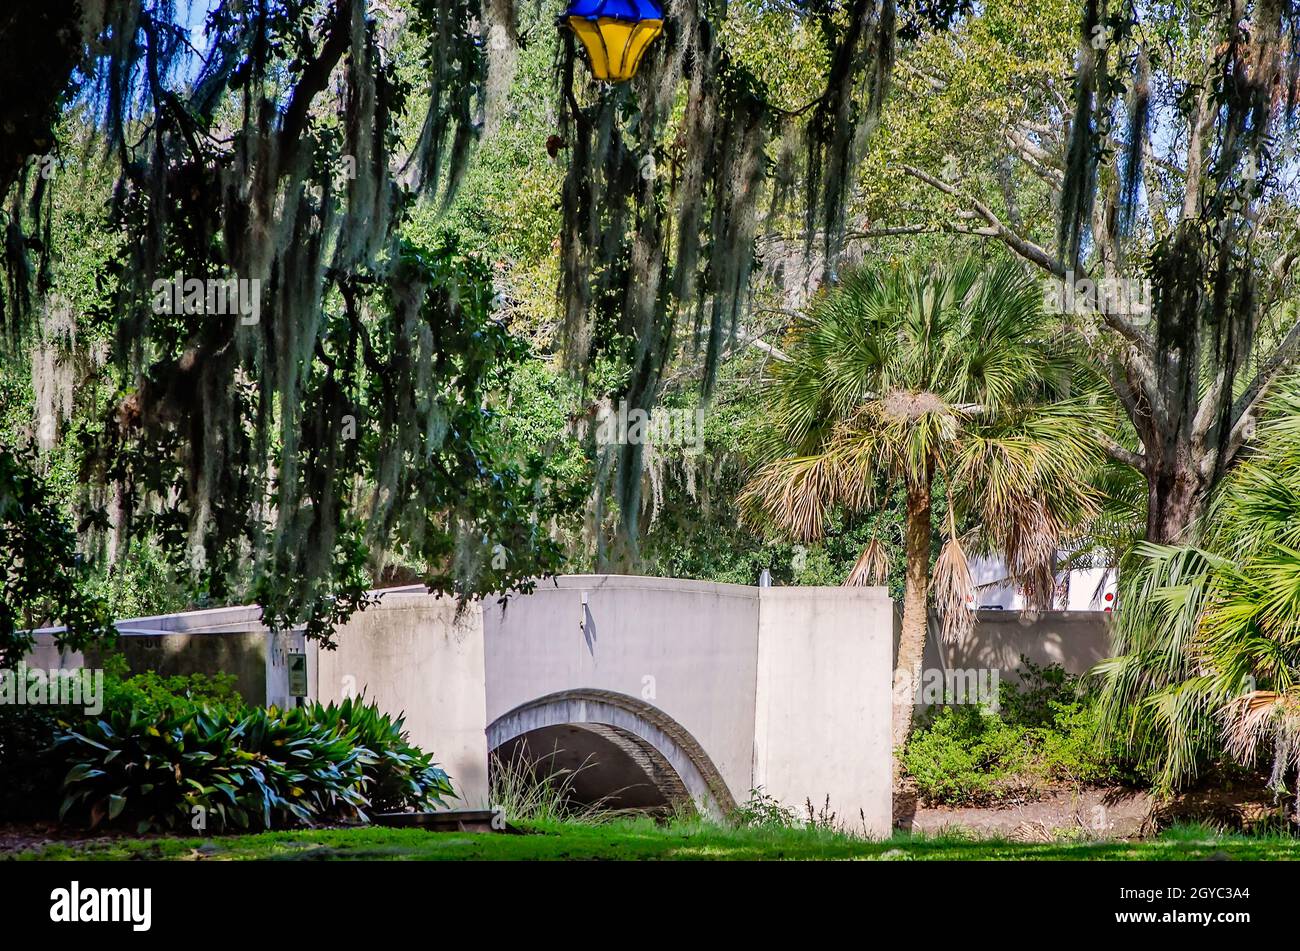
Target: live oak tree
(352, 421)
(1162, 150)
(281, 155)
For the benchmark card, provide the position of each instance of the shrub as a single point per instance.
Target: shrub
(255, 768)
(152, 695)
(1044, 732)
(763, 811)
(968, 756)
(30, 768)
(401, 776)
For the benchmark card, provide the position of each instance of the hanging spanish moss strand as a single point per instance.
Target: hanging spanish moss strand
(645, 251)
(862, 63)
(1078, 189)
(290, 446)
(1139, 117)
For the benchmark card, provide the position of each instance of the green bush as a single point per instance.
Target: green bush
(763, 811)
(152, 695)
(248, 769)
(401, 776)
(1043, 733)
(32, 770)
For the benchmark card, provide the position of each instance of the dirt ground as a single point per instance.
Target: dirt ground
(19, 838)
(1086, 813)
(1236, 805)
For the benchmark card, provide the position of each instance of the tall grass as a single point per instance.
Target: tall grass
(535, 789)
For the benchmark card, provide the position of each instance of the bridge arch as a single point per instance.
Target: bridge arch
(627, 738)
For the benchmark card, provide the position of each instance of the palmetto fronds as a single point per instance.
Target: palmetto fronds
(898, 374)
(954, 590)
(872, 566)
(1208, 638)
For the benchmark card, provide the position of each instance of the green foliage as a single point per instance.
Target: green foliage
(30, 768)
(1206, 664)
(142, 582)
(904, 374)
(401, 776)
(42, 576)
(241, 770)
(532, 788)
(255, 770)
(763, 811)
(1043, 733)
(153, 696)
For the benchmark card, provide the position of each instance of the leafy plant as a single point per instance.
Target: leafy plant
(1206, 664)
(238, 770)
(43, 579)
(1044, 732)
(30, 768)
(151, 694)
(399, 775)
(764, 811)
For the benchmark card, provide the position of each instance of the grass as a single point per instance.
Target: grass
(641, 839)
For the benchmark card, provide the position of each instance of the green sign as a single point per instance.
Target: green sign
(297, 674)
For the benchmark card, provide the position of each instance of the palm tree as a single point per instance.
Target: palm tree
(905, 376)
(1207, 637)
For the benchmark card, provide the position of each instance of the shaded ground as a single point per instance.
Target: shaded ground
(1240, 803)
(1097, 813)
(642, 839)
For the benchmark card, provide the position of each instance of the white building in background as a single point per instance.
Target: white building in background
(1081, 589)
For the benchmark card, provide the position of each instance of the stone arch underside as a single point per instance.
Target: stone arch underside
(633, 751)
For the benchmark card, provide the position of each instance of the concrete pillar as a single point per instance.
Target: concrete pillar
(413, 653)
(822, 717)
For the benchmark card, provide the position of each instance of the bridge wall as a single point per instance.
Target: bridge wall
(824, 702)
(784, 688)
(688, 648)
(415, 653)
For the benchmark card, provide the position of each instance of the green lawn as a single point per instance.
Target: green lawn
(642, 839)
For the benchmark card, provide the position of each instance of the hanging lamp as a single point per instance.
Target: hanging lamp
(615, 33)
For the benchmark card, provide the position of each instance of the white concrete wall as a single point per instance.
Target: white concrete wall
(413, 653)
(785, 688)
(823, 703)
(689, 648)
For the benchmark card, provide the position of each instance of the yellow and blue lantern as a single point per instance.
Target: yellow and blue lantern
(615, 33)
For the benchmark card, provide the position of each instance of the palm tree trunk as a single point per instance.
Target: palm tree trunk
(911, 642)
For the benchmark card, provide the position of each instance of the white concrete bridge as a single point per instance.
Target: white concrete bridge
(668, 691)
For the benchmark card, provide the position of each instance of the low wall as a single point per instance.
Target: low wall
(222, 640)
(1077, 640)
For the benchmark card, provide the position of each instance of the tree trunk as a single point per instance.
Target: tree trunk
(911, 642)
(1176, 496)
